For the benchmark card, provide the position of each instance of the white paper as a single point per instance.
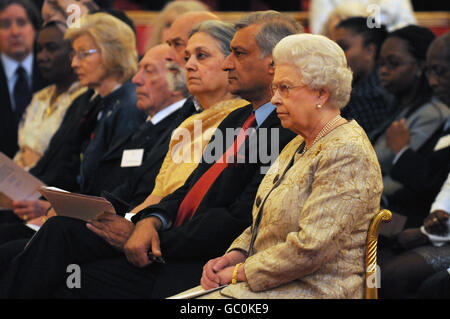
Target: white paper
(195, 292)
(442, 143)
(16, 183)
(132, 158)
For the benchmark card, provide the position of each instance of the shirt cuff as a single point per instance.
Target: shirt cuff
(399, 154)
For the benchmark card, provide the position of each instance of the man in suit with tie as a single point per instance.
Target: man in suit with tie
(19, 22)
(60, 163)
(136, 188)
(161, 105)
(124, 250)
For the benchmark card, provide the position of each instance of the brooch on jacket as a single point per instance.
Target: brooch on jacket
(319, 148)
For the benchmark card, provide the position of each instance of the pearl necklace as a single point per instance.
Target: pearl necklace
(324, 131)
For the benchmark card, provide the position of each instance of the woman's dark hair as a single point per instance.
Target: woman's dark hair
(358, 25)
(418, 39)
(31, 10)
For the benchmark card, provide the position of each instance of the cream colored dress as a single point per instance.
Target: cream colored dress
(38, 125)
(311, 238)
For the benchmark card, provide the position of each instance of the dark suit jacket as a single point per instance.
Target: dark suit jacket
(141, 182)
(422, 174)
(60, 164)
(225, 210)
(119, 120)
(9, 120)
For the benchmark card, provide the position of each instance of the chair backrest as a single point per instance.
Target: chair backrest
(372, 272)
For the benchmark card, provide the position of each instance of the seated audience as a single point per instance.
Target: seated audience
(207, 48)
(135, 189)
(122, 250)
(308, 219)
(431, 162)
(410, 275)
(370, 104)
(402, 72)
(104, 118)
(156, 100)
(49, 105)
(431, 166)
(162, 107)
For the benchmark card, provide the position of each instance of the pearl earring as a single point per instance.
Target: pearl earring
(319, 106)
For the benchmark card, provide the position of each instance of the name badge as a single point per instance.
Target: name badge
(132, 158)
(442, 143)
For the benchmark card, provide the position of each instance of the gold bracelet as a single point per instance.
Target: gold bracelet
(234, 279)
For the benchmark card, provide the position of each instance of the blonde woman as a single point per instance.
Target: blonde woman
(104, 59)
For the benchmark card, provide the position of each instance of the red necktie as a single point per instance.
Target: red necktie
(194, 197)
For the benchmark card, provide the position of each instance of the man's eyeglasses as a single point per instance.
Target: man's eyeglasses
(437, 71)
(81, 55)
(284, 89)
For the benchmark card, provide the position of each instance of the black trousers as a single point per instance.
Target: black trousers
(436, 286)
(44, 268)
(9, 250)
(14, 231)
(8, 216)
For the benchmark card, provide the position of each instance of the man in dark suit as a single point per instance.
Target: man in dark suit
(127, 152)
(60, 164)
(118, 249)
(423, 172)
(154, 98)
(19, 75)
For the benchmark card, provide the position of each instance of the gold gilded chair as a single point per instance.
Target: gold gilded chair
(372, 271)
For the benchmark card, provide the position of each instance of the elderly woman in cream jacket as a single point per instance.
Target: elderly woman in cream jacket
(313, 208)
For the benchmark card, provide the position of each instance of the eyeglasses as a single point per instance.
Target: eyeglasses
(437, 71)
(284, 89)
(81, 55)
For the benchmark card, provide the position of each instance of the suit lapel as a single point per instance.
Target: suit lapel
(153, 132)
(4, 92)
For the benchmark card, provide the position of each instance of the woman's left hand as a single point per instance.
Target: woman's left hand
(216, 271)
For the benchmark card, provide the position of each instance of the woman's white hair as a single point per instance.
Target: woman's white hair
(320, 62)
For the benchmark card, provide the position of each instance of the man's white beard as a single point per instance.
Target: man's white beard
(176, 79)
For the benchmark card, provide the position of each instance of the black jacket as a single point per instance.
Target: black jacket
(60, 164)
(119, 119)
(226, 209)
(140, 183)
(9, 120)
